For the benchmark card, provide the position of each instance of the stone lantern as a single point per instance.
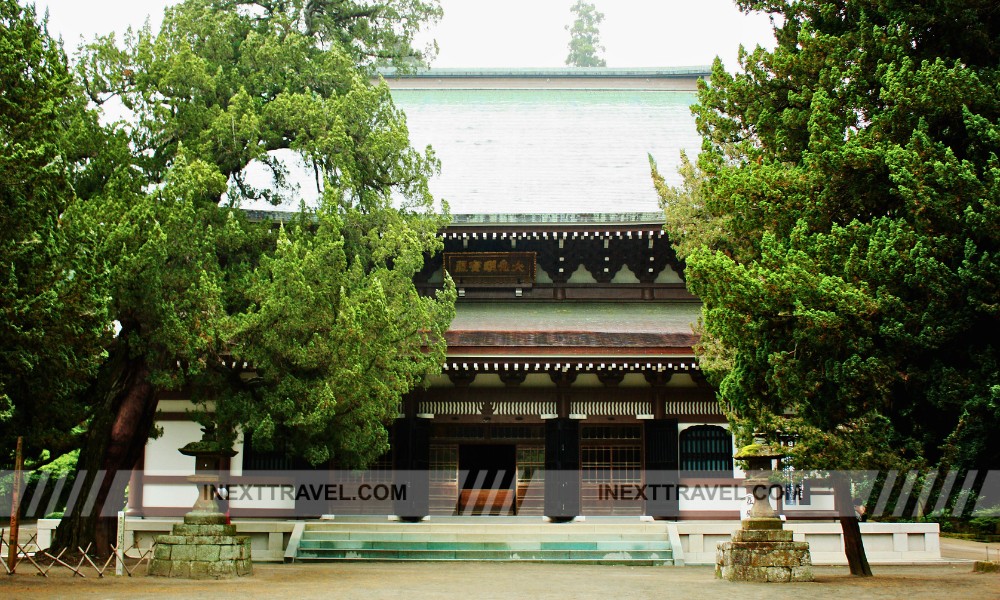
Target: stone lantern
(759, 459)
(208, 456)
(762, 550)
(204, 546)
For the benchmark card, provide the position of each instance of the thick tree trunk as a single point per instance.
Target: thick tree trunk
(116, 438)
(854, 547)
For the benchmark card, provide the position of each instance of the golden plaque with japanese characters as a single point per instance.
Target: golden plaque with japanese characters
(491, 268)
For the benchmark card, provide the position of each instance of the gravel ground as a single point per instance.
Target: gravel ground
(418, 581)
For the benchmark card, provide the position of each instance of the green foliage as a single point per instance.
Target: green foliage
(238, 83)
(53, 301)
(585, 47)
(987, 524)
(840, 227)
(337, 333)
(325, 311)
(375, 33)
(62, 466)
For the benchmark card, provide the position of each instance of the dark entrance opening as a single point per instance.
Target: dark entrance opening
(488, 473)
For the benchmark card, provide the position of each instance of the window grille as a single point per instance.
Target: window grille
(611, 432)
(444, 463)
(706, 448)
(530, 464)
(611, 464)
(276, 459)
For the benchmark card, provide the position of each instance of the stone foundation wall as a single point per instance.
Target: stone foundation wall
(763, 556)
(885, 543)
(199, 551)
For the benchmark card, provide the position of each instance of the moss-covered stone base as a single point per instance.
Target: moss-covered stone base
(986, 566)
(202, 548)
(765, 556)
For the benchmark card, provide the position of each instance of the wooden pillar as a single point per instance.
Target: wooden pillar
(411, 461)
(562, 454)
(562, 469)
(660, 449)
(662, 475)
(563, 380)
(658, 392)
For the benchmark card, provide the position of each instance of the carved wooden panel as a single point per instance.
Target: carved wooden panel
(491, 268)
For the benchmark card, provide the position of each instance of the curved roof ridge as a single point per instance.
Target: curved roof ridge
(551, 72)
(656, 218)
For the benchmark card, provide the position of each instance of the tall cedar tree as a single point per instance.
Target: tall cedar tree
(585, 47)
(53, 301)
(840, 226)
(324, 309)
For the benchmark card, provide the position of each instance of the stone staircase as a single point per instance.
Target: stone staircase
(488, 539)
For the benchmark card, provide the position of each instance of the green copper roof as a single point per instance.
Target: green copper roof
(590, 317)
(573, 151)
(561, 72)
(608, 328)
(488, 220)
(654, 218)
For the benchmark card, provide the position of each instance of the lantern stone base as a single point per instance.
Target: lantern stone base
(986, 566)
(203, 547)
(763, 555)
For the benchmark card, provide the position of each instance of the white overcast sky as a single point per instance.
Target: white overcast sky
(509, 33)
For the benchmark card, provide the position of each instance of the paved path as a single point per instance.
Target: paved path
(952, 548)
(486, 581)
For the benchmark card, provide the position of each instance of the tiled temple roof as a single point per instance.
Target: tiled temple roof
(574, 328)
(558, 149)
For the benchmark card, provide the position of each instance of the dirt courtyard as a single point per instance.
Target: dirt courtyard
(485, 581)
(418, 581)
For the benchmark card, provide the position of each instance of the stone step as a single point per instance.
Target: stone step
(607, 542)
(580, 528)
(478, 537)
(594, 556)
(617, 546)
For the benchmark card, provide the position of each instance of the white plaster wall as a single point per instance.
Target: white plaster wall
(581, 275)
(819, 499)
(487, 380)
(260, 497)
(440, 380)
(538, 380)
(707, 497)
(885, 543)
(625, 275)
(587, 380)
(169, 495)
(681, 380)
(162, 454)
(668, 275)
(634, 380)
(174, 406)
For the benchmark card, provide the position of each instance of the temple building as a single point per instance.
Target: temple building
(571, 350)
(570, 391)
(571, 353)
